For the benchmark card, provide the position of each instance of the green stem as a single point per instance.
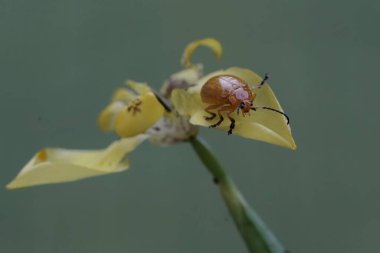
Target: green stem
(256, 235)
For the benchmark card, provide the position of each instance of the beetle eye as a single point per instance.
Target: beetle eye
(251, 103)
(241, 105)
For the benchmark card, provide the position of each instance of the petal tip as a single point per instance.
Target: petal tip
(9, 186)
(13, 185)
(213, 44)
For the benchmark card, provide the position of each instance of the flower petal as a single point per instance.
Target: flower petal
(57, 165)
(140, 88)
(261, 125)
(123, 95)
(140, 115)
(213, 44)
(107, 117)
(120, 98)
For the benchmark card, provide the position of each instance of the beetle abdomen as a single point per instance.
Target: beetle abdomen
(219, 89)
(211, 91)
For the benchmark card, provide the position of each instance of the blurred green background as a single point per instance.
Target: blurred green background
(61, 60)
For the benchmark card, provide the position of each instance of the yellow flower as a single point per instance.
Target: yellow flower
(147, 112)
(131, 113)
(138, 113)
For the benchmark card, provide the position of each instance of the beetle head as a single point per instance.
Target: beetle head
(245, 106)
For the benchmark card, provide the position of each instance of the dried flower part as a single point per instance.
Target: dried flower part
(172, 129)
(213, 44)
(57, 165)
(182, 79)
(260, 125)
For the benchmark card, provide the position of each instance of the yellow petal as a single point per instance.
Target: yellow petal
(120, 98)
(261, 125)
(57, 165)
(107, 117)
(140, 88)
(213, 44)
(140, 115)
(123, 95)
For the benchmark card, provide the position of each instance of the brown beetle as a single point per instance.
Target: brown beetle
(227, 93)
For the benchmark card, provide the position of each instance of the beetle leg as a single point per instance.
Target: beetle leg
(220, 118)
(219, 121)
(223, 108)
(232, 125)
(213, 115)
(230, 110)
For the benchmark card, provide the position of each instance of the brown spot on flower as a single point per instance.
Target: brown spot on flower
(42, 155)
(134, 107)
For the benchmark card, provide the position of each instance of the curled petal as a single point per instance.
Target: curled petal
(123, 95)
(107, 117)
(140, 88)
(139, 115)
(261, 125)
(213, 44)
(57, 165)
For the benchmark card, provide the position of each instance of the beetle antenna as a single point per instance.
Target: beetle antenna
(266, 77)
(271, 109)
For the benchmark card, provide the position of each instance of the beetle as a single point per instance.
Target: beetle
(228, 93)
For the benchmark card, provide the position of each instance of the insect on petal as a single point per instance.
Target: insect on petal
(261, 125)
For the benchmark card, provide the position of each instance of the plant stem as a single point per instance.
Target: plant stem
(256, 235)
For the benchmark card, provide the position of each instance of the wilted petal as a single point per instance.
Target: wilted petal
(213, 44)
(261, 125)
(57, 165)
